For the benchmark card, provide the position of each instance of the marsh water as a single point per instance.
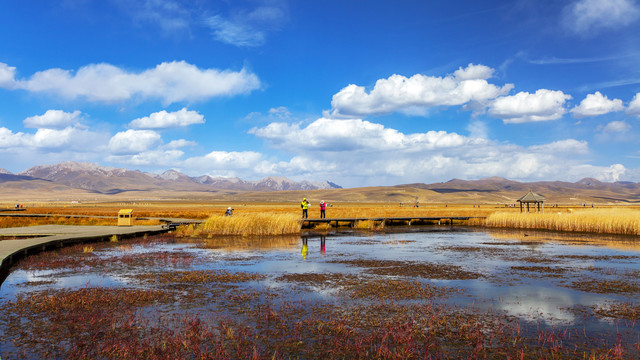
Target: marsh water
(540, 280)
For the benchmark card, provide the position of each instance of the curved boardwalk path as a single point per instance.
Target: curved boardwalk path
(27, 240)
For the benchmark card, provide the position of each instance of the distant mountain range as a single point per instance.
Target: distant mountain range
(74, 180)
(108, 180)
(497, 189)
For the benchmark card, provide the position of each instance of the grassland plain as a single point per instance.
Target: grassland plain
(610, 219)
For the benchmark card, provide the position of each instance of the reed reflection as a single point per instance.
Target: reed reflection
(242, 243)
(615, 242)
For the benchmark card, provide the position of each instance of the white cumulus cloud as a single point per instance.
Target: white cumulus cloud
(9, 139)
(596, 104)
(359, 152)
(354, 134)
(164, 119)
(586, 16)
(169, 81)
(133, 142)
(634, 105)
(53, 140)
(399, 93)
(543, 105)
(228, 163)
(7, 76)
(53, 119)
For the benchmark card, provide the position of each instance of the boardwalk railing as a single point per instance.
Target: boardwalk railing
(307, 223)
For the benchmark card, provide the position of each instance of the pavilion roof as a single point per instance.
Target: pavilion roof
(531, 197)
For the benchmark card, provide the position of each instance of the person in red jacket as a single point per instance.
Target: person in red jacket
(323, 207)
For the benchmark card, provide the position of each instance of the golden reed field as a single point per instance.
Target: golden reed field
(623, 221)
(263, 218)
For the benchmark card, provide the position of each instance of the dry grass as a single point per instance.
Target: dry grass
(6, 222)
(601, 221)
(612, 219)
(369, 225)
(322, 227)
(247, 224)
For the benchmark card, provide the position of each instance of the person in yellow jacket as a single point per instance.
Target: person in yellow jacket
(305, 206)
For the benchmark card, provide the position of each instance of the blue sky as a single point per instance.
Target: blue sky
(358, 93)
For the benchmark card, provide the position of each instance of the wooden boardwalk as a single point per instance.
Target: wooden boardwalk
(166, 220)
(32, 239)
(336, 222)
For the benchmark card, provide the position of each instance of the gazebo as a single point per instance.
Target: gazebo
(532, 198)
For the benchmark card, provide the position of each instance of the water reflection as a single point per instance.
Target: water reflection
(305, 249)
(531, 237)
(305, 246)
(239, 243)
(528, 276)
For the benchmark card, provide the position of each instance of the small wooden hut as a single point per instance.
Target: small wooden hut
(125, 217)
(532, 198)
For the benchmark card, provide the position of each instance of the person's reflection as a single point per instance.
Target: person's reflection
(305, 250)
(322, 241)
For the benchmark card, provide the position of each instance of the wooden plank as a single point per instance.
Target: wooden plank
(60, 235)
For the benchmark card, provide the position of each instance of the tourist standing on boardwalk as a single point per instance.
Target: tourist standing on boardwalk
(305, 206)
(323, 207)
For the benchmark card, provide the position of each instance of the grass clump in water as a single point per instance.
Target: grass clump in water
(248, 224)
(369, 225)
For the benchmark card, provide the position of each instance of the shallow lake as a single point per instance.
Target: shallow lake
(537, 280)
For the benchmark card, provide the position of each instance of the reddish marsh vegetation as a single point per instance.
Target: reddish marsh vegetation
(198, 301)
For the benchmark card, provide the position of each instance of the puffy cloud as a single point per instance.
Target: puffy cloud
(246, 28)
(358, 153)
(616, 127)
(53, 140)
(169, 81)
(615, 172)
(228, 163)
(53, 119)
(9, 139)
(232, 159)
(584, 16)
(596, 104)
(7, 76)
(634, 105)
(399, 93)
(133, 142)
(568, 146)
(164, 119)
(524, 107)
(354, 134)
